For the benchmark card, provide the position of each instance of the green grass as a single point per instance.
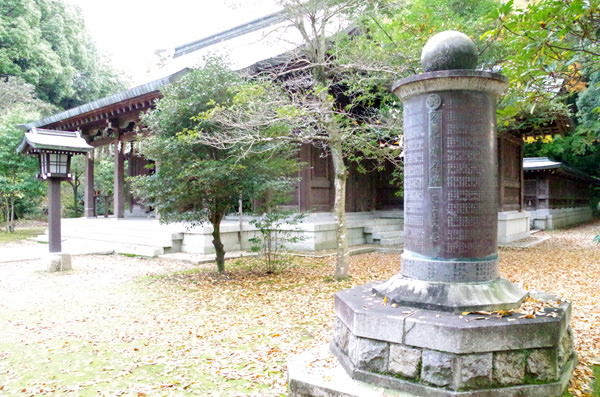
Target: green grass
(596, 384)
(20, 234)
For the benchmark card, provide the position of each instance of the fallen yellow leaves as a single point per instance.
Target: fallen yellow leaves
(567, 265)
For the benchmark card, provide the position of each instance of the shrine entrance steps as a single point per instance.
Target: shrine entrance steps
(388, 231)
(148, 237)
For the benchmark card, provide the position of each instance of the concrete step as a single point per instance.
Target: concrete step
(112, 246)
(392, 241)
(136, 237)
(124, 237)
(388, 234)
(383, 228)
(391, 214)
(142, 250)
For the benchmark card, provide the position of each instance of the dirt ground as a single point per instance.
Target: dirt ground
(110, 328)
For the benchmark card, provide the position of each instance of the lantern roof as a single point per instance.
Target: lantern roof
(37, 140)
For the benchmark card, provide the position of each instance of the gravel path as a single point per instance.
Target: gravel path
(27, 283)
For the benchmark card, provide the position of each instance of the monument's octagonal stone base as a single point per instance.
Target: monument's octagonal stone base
(436, 353)
(496, 294)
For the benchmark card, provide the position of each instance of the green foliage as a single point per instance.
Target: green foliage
(45, 43)
(338, 98)
(197, 183)
(388, 47)
(72, 193)
(553, 52)
(16, 93)
(579, 147)
(549, 45)
(548, 39)
(276, 229)
(104, 173)
(20, 192)
(588, 104)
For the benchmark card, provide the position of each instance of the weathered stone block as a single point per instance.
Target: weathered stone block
(369, 354)
(341, 335)
(565, 348)
(457, 334)
(509, 367)
(475, 371)
(366, 316)
(437, 368)
(404, 361)
(57, 262)
(542, 364)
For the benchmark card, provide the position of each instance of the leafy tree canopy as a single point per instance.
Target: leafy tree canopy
(553, 60)
(19, 190)
(198, 183)
(551, 49)
(44, 42)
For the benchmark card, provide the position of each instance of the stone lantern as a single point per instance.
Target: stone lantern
(54, 150)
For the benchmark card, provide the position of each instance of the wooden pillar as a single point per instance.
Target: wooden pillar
(502, 162)
(131, 171)
(119, 178)
(89, 199)
(521, 177)
(54, 215)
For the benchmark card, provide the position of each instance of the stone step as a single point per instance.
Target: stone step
(383, 228)
(388, 234)
(392, 241)
(137, 237)
(141, 250)
(124, 237)
(391, 214)
(112, 246)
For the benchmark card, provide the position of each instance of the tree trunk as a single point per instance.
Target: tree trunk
(75, 206)
(215, 220)
(75, 187)
(339, 206)
(6, 210)
(12, 215)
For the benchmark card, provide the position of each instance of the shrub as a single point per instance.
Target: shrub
(275, 231)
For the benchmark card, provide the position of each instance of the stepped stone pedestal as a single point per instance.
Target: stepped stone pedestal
(415, 333)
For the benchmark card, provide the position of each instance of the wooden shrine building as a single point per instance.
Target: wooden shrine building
(113, 122)
(556, 195)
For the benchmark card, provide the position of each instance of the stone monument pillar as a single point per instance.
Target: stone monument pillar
(450, 184)
(410, 334)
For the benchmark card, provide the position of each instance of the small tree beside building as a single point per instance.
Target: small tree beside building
(197, 183)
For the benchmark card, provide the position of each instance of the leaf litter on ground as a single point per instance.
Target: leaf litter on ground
(132, 326)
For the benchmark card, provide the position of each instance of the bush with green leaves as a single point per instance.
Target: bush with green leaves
(275, 231)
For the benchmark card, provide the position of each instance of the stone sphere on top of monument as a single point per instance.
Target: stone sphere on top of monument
(449, 50)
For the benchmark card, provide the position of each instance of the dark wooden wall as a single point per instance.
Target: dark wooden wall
(548, 190)
(372, 191)
(364, 191)
(510, 173)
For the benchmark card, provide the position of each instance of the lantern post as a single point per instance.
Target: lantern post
(54, 150)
